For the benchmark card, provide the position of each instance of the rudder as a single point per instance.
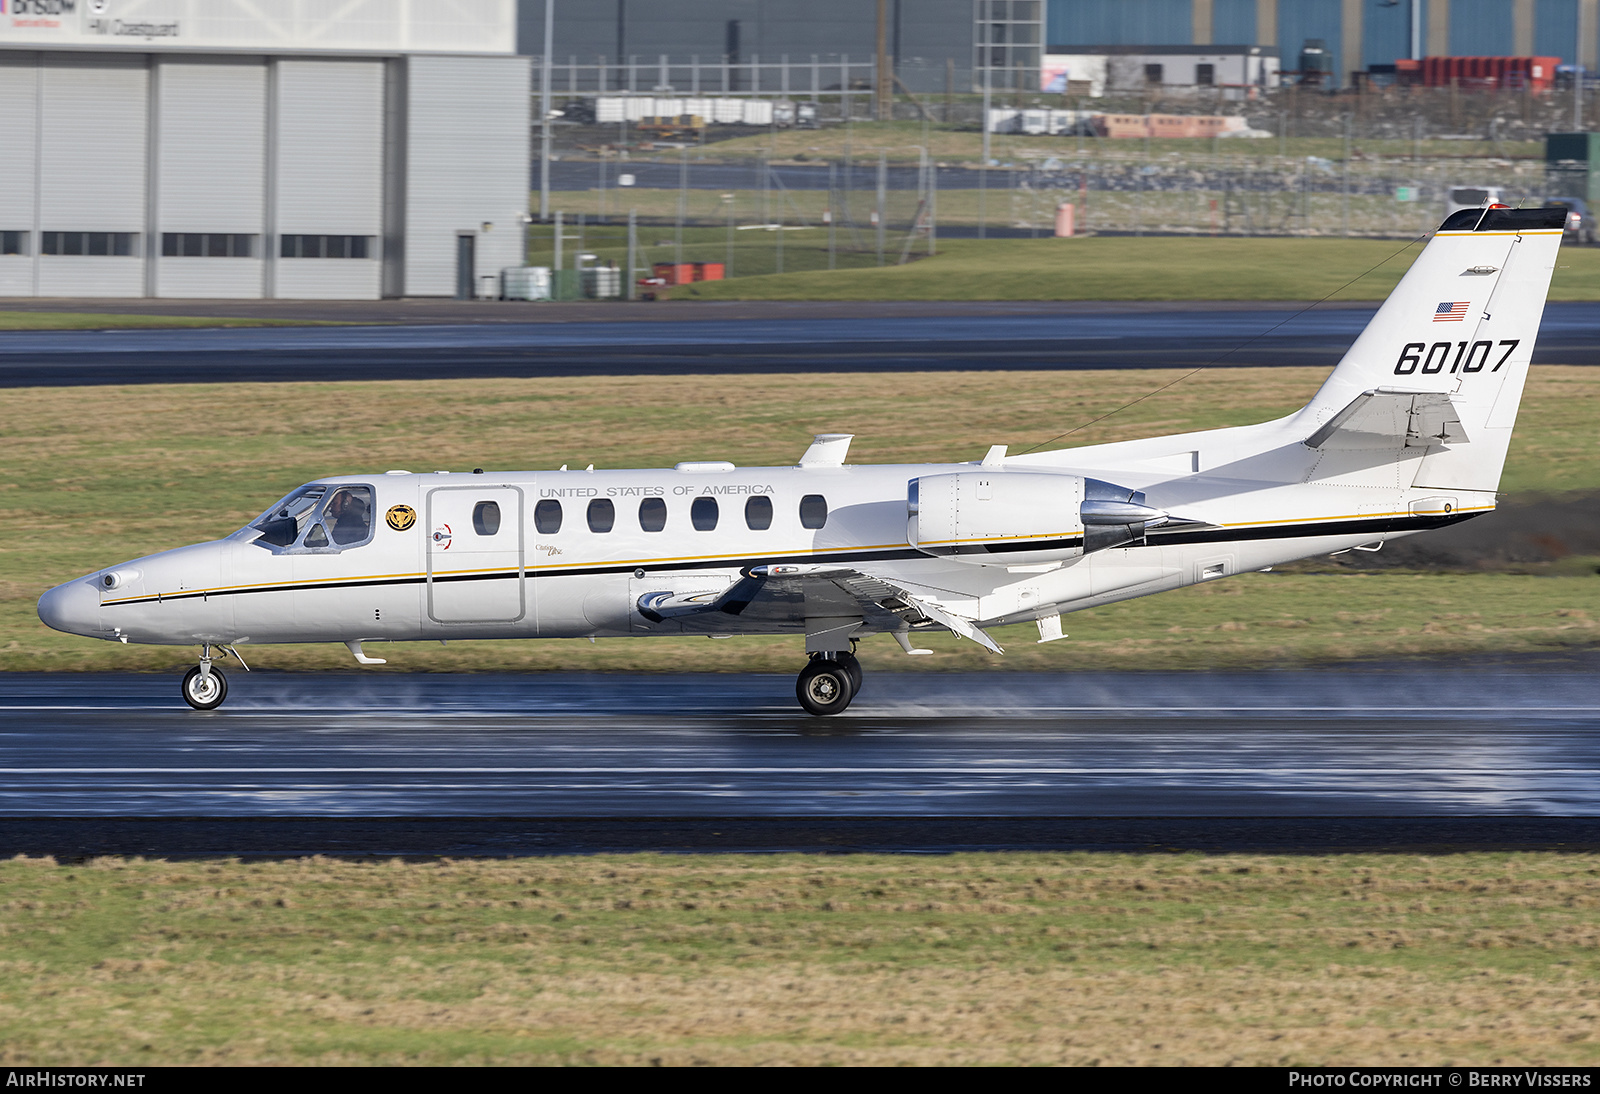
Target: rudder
(1462, 323)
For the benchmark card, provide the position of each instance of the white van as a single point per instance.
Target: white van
(1473, 197)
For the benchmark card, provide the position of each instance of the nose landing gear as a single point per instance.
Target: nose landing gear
(828, 683)
(204, 686)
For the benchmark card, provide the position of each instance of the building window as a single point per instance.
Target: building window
(1205, 75)
(122, 244)
(1153, 74)
(207, 245)
(14, 243)
(324, 246)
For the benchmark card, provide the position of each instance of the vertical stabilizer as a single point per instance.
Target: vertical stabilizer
(1461, 323)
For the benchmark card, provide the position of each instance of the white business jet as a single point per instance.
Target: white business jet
(1408, 433)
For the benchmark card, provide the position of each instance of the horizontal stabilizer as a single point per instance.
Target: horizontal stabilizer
(1385, 415)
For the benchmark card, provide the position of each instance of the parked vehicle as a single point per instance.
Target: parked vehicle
(1580, 221)
(1458, 198)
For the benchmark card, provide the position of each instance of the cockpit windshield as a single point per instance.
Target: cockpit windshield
(318, 517)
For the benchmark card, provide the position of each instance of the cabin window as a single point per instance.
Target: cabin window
(703, 514)
(813, 511)
(486, 518)
(652, 514)
(602, 515)
(349, 515)
(758, 513)
(547, 517)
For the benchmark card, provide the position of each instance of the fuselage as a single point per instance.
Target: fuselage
(573, 553)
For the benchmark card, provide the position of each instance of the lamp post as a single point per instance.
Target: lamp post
(544, 112)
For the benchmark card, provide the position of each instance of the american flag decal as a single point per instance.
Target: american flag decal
(1451, 311)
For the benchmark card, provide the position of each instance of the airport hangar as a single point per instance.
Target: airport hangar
(260, 148)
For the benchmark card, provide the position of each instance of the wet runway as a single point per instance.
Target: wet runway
(1123, 336)
(398, 764)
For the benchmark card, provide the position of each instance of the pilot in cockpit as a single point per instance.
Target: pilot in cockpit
(349, 517)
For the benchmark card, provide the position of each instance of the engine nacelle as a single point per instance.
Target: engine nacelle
(1012, 518)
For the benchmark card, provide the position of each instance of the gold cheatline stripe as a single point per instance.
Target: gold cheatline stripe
(267, 585)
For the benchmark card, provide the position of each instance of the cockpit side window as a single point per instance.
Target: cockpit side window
(282, 524)
(318, 517)
(349, 515)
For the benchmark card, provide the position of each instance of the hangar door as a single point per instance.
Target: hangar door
(475, 555)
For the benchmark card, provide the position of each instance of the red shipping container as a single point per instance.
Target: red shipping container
(675, 273)
(1509, 73)
(710, 271)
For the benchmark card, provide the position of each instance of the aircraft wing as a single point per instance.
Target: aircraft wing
(1384, 415)
(799, 590)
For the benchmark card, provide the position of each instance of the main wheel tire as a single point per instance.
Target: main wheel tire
(824, 688)
(853, 667)
(205, 693)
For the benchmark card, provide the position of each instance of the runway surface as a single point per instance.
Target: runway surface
(1122, 336)
(397, 764)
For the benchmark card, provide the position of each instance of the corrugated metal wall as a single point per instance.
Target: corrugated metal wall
(249, 151)
(329, 178)
(211, 172)
(1119, 22)
(1555, 29)
(464, 111)
(1474, 27)
(1233, 22)
(1481, 28)
(91, 171)
(19, 83)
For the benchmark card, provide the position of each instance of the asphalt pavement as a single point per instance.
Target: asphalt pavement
(402, 764)
(789, 340)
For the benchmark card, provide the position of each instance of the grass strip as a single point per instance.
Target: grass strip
(95, 476)
(788, 959)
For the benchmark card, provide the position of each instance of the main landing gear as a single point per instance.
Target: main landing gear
(828, 683)
(204, 686)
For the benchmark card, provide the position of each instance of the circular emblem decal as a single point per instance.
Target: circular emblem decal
(401, 517)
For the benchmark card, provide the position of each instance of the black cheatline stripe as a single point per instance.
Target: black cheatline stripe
(1212, 535)
(1308, 531)
(576, 571)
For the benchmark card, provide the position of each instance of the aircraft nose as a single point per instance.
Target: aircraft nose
(73, 607)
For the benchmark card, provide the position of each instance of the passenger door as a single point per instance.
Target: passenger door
(476, 572)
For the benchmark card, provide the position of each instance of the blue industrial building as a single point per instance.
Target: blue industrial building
(1359, 33)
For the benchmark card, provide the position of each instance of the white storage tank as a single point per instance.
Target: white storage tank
(525, 283)
(602, 283)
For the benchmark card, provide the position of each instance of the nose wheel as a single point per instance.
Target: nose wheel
(204, 692)
(204, 686)
(828, 683)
